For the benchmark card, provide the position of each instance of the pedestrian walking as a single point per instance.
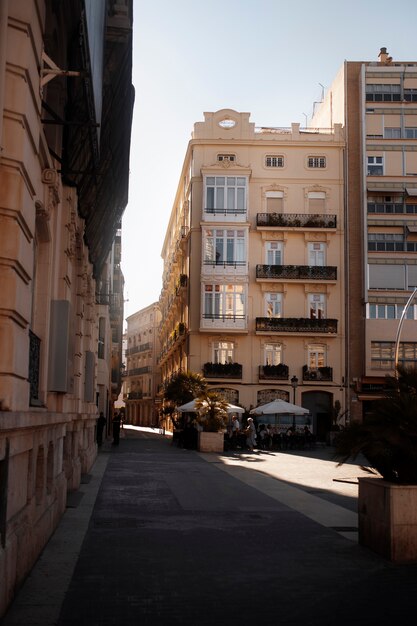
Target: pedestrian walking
(101, 423)
(116, 429)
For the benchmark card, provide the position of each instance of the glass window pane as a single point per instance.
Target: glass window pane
(219, 198)
(240, 199)
(210, 198)
(231, 199)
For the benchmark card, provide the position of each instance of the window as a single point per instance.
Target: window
(410, 95)
(224, 302)
(392, 133)
(273, 254)
(383, 352)
(274, 161)
(101, 337)
(228, 158)
(316, 201)
(375, 165)
(317, 254)
(223, 352)
(317, 306)
(224, 247)
(273, 305)
(316, 357)
(385, 204)
(274, 204)
(411, 133)
(225, 194)
(383, 93)
(273, 354)
(316, 161)
(386, 242)
(389, 311)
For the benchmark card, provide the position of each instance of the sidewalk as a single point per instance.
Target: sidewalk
(176, 537)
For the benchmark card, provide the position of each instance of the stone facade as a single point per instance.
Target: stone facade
(49, 276)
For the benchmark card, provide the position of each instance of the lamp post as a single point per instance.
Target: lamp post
(294, 384)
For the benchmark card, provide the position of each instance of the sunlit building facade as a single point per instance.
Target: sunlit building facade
(253, 283)
(377, 104)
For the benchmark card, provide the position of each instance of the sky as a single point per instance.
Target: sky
(271, 58)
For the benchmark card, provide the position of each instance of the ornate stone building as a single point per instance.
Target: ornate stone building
(66, 102)
(253, 283)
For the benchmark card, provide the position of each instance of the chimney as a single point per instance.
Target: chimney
(384, 58)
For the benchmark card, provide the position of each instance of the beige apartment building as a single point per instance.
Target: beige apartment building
(254, 286)
(377, 104)
(141, 377)
(66, 101)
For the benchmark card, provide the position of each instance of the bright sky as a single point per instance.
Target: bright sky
(267, 57)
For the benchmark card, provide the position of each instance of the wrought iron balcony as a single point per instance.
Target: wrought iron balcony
(222, 370)
(34, 362)
(135, 395)
(275, 372)
(319, 373)
(297, 272)
(138, 371)
(296, 325)
(296, 220)
(212, 211)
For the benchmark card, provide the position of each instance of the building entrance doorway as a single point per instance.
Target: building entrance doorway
(319, 403)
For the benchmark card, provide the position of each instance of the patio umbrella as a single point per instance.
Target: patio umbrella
(189, 407)
(279, 407)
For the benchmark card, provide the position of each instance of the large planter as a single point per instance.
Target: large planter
(388, 519)
(210, 442)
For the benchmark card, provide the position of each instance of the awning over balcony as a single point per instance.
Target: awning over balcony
(411, 191)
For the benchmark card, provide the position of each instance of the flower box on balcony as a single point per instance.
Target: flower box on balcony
(277, 372)
(222, 370)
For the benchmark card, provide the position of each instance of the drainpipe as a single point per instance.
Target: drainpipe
(3, 41)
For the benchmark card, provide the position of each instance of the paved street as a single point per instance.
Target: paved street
(175, 537)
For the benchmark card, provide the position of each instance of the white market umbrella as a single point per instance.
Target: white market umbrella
(279, 407)
(189, 407)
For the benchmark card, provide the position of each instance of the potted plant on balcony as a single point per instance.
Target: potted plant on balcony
(387, 502)
(212, 419)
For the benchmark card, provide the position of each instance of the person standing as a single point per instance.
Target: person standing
(116, 429)
(101, 423)
(250, 433)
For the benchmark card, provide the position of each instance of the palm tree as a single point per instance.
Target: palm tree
(184, 387)
(211, 410)
(388, 437)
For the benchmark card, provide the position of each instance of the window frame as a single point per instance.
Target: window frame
(316, 162)
(275, 160)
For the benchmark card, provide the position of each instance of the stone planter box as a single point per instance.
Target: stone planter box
(210, 442)
(388, 519)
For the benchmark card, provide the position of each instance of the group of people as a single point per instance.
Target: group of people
(266, 436)
(117, 424)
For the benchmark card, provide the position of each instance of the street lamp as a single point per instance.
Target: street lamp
(294, 383)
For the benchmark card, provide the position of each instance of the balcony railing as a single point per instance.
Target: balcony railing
(319, 373)
(135, 395)
(296, 220)
(224, 263)
(213, 211)
(223, 317)
(296, 325)
(222, 370)
(297, 272)
(137, 371)
(34, 361)
(273, 372)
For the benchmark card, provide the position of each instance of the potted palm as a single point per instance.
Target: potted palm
(387, 501)
(211, 419)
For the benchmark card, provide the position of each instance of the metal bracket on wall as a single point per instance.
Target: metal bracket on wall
(52, 70)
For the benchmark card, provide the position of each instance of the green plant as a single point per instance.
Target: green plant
(388, 437)
(211, 412)
(184, 387)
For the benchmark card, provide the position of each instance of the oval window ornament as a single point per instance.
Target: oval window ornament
(227, 123)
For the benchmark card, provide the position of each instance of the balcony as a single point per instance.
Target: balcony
(296, 272)
(296, 325)
(319, 374)
(135, 395)
(225, 215)
(222, 370)
(273, 372)
(138, 371)
(34, 365)
(295, 220)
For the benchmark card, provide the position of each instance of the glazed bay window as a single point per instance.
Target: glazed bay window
(224, 247)
(317, 306)
(224, 302)
(273, 305)
(225, 195)
(375, 166)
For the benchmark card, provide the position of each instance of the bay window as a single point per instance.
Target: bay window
(224, 247)
(225, 194)
(224, 302)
